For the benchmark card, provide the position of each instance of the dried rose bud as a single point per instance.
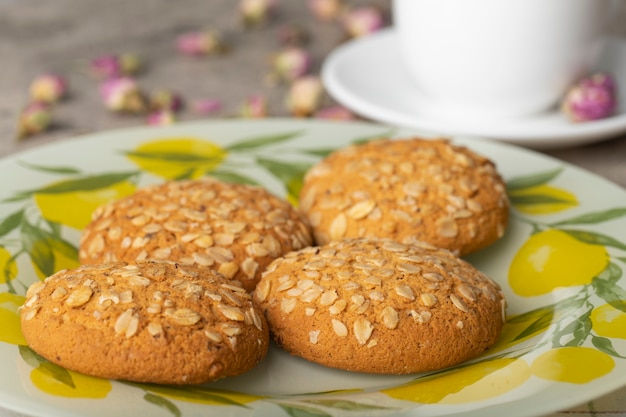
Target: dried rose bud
(163, 117)
(34, 118)
(201, 43)
(206, 106)
(362, 21)
(326, 9)
(291, 63)
(335, 113)
(48, 88)
(304, 96)
(256, 12)
(123, 95)
(166, 100)
(115, 66)
(592, 98)
(292, 34)
(254, 107)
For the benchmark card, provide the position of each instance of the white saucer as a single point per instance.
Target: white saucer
(367, 75)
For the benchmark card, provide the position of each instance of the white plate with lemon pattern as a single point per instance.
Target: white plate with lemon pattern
(560, 264)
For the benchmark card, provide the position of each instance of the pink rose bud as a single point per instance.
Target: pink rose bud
(592, 98)
(166, 100)
(335, 113)
(200, 43)
(115, 66)
(255, 107)
(304, 96)
(48, 88)
(292, 63)
(326, 9)
(362, 21)
(256, 12)
(292, 34)
(206, 106)
(163, 117)
(34, 118)
(123, 95)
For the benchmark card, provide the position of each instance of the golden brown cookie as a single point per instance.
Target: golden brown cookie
(156, 321)
(407, 190)
(378, 306)
(236, 229)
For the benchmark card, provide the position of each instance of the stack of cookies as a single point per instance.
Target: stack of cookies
(194, 276)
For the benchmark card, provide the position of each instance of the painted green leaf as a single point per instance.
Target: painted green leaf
(537, 326)
(532, 180)
(303, 411)
(538, 198)
(262, 141)
(232, 177)
(610, 291)
(595, 238)
(612, 273)
(182, 157)
(86, 183)
(578, 330)
(605, 345)
(320, 153)
(188, 393)
(595, 217)
(51, 169)
(621, 258)
(11, 222)
(55, 371)
(163, 403)
(284, 171)
(344, 404)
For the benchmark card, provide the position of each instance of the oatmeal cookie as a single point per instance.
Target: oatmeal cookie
(154, 321)
(379, 306)
(407, 190)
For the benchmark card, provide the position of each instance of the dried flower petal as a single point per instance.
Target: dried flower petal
(592, 98)
(291, 63)
(304, 96)
(34, 118)
(123, 95)
(326, 9)
(362, 21)
(206, 106)
(163, 117)
(292, 34)
(166, 100)
(201, 43)
(48, 88)
(335, 113)
(255, 107)
(256, 12)
(115, 65)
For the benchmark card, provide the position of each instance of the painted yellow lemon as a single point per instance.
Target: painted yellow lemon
(542, 199)
(76, 386)
(577, 364)
(609, 321)
(74, 208)
(10, 320)
(202, 395)
(475, 382)
(177, 158)
(8, 267)
(551, 259)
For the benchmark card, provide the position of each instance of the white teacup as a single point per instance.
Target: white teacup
(502, 58)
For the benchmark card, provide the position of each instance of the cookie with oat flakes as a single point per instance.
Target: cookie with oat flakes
(379, 306)
(407, 190)
(154, 321)
(236, 229)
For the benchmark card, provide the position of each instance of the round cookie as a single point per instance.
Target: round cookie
(378, 306)
(155, 321)
(236, 229)
(407, 190)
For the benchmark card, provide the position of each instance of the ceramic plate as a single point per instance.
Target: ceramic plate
(560, 264)
(368, 76)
